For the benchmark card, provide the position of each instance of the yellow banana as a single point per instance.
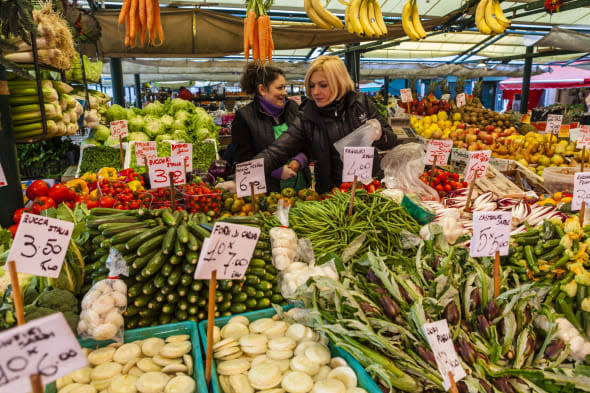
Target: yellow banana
(372, 19)
(417, 23)
(326, 15)
(353, 17)
(480, 21)
(347, 23)
(379, 18)
(490, 20)
(364, 18)
(315, 18)
(407, 24)
(500, 14)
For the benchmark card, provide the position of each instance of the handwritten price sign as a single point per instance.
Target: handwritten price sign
(581, 190)
(119, 129)
(583, 137)
(160, 168)
(441, 343)
(250, 172)
(477, 164)
(491, 233)
(40, 245)
(461, 100)
(228, 251)
(441, 148)
(44, 346)
(406, 95)
(145, 150)
(185, 151)
(358, 161)
(553, 124)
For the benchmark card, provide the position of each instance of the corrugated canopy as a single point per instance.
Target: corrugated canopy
(558, 77)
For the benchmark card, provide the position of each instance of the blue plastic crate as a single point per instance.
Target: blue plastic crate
(364, 380)
(187, 327)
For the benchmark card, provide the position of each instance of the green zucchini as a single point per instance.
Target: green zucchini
(160, 281)
(200, 232)
(181, 315)
(150, 245)
(167, 308)
(196, 286)
(141, 301)
(182, 290)
(149, 288)
(131, 311)
(168, 242)
(193, 242)
(140, 262)
(182, 305)
(165, 319)
(154, 265)
(174, 259)
(174, 278)
(139, 240)
(134, 290)
(168, 218)
(192, 257)
(172, 298)
(192, 298)
(186, 279)
(178, 247)
(167, 269)
(182, 233)
(192, 310)
(188, 268)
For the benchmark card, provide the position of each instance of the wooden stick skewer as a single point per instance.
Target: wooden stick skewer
(210, 324)
(497, 275)
(351, 204)
(432, 170)
(172, 191)
(469, 194)
(453, 384)
(121, 151)
(254, 209)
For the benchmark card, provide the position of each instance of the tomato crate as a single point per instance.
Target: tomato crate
(364, 380)
(209, 204)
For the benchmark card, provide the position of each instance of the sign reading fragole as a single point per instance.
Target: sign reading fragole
(491, 233)
(40, 245)
(581, 190)
(406, 95)
(441, 343)
(461, 100)
(119, 129)
(477, 164)
(44, 346)
(145, 150)
(250, 172)
(553, 124)
(3, 182)
(358, 161)
(160, 168)
(441, 148)
(228, 251)
(184, 150)
(583, 137)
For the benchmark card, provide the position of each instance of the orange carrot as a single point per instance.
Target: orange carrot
(271, 45)
(149, 10)
(127, 30)
(246, 39)
(251, 27)
(132, 17)
(142, 15)
(124, 11)
(262, 38)
(142, 35)
(137, 32)
(158, 22)
(255, 44)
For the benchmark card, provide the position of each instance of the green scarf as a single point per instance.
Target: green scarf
(298, 182)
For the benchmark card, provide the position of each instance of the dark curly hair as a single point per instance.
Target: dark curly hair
(255, 75)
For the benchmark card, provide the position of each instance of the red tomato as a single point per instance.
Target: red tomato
(42, 203)
(448, 188)
(36, 189)
(19, 213)
(59, 193)
(439, 188)
(91, 203)
(106, 201)
(13, 229)
(455, 176)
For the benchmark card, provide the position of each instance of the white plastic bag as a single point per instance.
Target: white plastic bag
(365, 135)
(104, 304)
(283, 240)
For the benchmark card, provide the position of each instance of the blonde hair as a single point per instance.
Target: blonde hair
(336, 73)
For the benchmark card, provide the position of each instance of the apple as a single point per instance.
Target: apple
(470, 138)
(462, 126)
(489, 128)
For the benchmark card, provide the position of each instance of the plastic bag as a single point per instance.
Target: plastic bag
(403, 167)
(365, 135)
(104, 304)
(283, 240)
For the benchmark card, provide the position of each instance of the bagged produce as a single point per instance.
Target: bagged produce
(365, 135)
(283, 240)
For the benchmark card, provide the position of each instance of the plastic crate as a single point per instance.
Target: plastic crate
(187, 327)
(364, 380)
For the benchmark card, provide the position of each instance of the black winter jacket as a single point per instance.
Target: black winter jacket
(252, 132)
(317, 129)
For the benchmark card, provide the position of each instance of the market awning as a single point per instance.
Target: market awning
(556, 78)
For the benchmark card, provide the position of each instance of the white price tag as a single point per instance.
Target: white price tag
(406, 95)
(491, 233)
(144, 150)
(461, 100)
(250, 172)
(184, 150)
(228, 251)
(44, 346)
(3, 182)
(477, 164)
(583, 137)
(441, 148)
(441, 343)
(358, 161)
(40, 245)
(445, 97)
(581, 190)
(119, 129)
(553, 124)
(160, 168)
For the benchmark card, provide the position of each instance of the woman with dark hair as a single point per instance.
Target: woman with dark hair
(257, 125)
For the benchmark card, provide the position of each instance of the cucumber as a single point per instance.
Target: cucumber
(237, 287)
(264, 286)
(201, 316)
(250, 291)
(225, 306)
(167, 269)
(174, 278)
(192, 257)
(218, 298)
(134, 290)
(159, 298)
(259, 295)
(188, 268)
(167, 309)
(186, 279)
(257, 254)
(139, 240)
(131, 323)
(150, 245)
(140, 262)
(154, 265)
(182, 233)
(263, 245)
(257, 262)
(175, 259)
(270, 278)
(160, 281)
(225, 285)
(276, 299)
(193, 242)
(252, 280)
(141, 301)
(149, 288)
(182, 290)
(166, 290)
(268, 293)
(154, 305)
(168, 242)
(271, 269)
(202, 302)
(250, 304)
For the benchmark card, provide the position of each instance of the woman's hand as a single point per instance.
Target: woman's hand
(287, 173)
(294, 165)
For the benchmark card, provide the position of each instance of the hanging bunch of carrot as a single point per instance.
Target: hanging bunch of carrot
(142, 22)
(258, 32)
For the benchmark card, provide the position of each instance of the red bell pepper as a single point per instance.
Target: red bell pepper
(19, 213)
(59, 193)
(42, 203)
(36, 189)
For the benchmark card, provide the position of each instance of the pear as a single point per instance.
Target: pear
(557, 160)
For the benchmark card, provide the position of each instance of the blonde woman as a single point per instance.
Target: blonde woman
(334, 110)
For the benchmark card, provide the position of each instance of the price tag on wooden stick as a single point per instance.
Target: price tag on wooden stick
(185, 151)
(491, 233)
(228, 251)
(581, 190)
(145, 150)
(119, 129)
(250, 172)
(553, 124)
(441, 148)
(441, 342)
(406, 95)
(358, 161)
(44, 346)
(461, 100)
(160, 169)
(477, 164)
(583, 137)
(40, 245)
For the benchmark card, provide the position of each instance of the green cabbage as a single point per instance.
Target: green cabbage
(178, 104)
(178, 125)
(101, 133)
(182, 116)
(111, 142)
(135, 124)
(164, 137)
(155, 109)
(201, 134)
(167, 121)
(116, 112)
(153, 126)
(180, 135)
(138, 136)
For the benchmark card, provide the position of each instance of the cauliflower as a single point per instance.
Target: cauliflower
(571, 288)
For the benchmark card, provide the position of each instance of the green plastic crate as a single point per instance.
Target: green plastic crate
(364, 380)
(187, 327)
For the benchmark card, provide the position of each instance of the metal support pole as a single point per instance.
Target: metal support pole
(11, 195)
(352, 60)
(137, 91)
(117, 81)
(386, 91)
(526, 80)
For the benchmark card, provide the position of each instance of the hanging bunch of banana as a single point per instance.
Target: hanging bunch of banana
(411, 21)
(364, 18)
(489, 17)
(320, 16)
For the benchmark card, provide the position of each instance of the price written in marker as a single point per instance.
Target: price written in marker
(185, 151)
(491, 233)
(228, 251)
(160, 168)
(583, 137)
(44, 346)
(3, 182)
(441, 342)
(358, 161)
(250, 172)
(553, 124)
(477, 165)
(406, 95)
(40, 245)
(441, 148)
(581, 190)
(119, 129)
(461, 100)
(145, 150)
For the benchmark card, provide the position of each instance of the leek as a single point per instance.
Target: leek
(22, 84)
(30, 108)
(34, 129)
(62, 88)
